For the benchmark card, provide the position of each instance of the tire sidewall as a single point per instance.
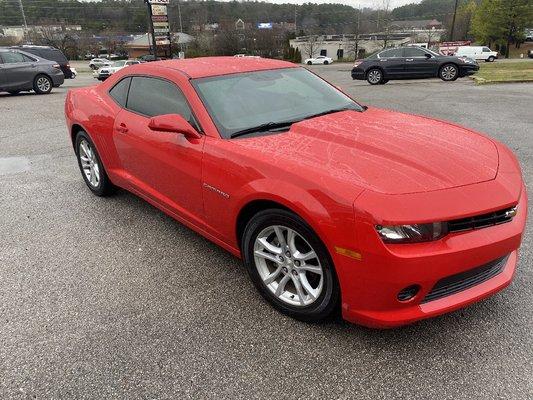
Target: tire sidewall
(328, 299)
(39, 91)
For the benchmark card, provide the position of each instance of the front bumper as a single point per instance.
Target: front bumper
(101, 75)
(358, 73)
(370, 285)
(468, 69)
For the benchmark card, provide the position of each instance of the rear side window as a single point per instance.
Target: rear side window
(120, 91)
(152, 96)
(12, 57)
(53, 55)
(392, 53)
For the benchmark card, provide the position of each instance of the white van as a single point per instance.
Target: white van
(477, 53)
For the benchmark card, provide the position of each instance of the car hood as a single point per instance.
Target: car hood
(383, 151)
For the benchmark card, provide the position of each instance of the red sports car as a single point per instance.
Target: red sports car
(392, 217)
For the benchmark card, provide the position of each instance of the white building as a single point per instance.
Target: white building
(343, 46)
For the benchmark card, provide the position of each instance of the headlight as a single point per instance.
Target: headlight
(467, 60)
(412, 233)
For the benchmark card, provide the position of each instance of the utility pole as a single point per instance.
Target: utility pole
(453, 21)
(23, 14)
(179, 15)
(295, 29)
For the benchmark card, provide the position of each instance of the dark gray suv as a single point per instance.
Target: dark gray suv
(21, 71)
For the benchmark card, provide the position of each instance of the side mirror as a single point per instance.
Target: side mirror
(173, 123)
(428, 56)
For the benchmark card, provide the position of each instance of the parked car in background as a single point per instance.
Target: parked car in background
(97, 63)
(477, 53)
(318, 60)
(530, 53)
(89, 56)
(51, 54)
(21, 71)
(148, 58)
(105, 72)
(386, 217)
(411, 63)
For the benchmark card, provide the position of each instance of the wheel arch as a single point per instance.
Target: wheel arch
(448, 63)
(250, 209)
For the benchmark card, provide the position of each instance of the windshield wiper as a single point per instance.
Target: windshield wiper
(269, 126)
(334, 110)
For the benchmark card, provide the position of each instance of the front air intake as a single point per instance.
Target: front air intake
(464, 280)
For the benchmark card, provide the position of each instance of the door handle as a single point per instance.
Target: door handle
(122, 128)
(408, 59)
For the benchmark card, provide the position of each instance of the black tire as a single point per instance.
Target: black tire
(42, 84)
(309, 63)
(327, 300)
(14, 92)
(326, 62)
(93, 67)
(104, 187)
(491, 59)
(374, 76)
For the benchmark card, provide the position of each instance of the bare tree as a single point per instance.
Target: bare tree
(311, 46)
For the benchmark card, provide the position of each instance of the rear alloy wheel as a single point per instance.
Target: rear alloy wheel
(449, 72)
(374, 76)
(491, 59)
(91, 166)
(326, 62)
(42, 84)
(289, 265)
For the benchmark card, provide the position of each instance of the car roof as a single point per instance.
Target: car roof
(203, 67)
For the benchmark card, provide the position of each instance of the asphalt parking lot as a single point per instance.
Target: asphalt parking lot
(111, 298)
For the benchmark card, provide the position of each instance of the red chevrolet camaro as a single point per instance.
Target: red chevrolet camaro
(392, 217)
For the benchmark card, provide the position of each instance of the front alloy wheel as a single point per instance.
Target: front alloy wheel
(449, 72)
(289, 265)
(374, 76)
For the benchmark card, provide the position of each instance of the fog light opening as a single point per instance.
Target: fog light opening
(408, 293)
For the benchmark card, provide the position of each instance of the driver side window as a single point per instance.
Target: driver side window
(153, 96)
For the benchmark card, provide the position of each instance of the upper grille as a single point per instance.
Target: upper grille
(482, 221)
(464, 280)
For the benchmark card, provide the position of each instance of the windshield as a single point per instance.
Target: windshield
(240, 102)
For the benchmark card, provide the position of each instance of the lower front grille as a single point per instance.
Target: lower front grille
(464, 280)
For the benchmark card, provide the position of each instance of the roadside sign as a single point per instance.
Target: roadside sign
(158, 9)
(159, 26)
